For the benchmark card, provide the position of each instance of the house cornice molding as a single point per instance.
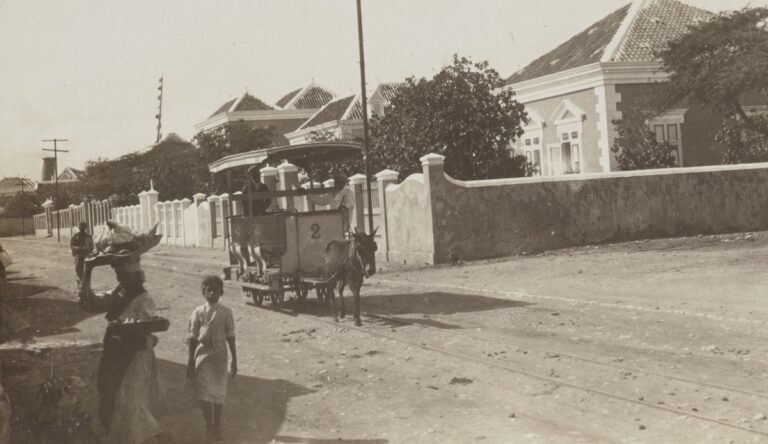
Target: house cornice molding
(254, 116)
(587, 77)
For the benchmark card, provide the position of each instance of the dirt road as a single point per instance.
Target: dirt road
(659, 341)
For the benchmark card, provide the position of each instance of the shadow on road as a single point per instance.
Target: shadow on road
(47, 316)
(295, 439)
(382, 309)
(254, 411)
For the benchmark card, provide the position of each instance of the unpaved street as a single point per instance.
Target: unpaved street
(658, 341)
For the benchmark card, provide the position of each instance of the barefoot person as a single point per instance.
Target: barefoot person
(211, 329)
(81, 245)
(130, 395)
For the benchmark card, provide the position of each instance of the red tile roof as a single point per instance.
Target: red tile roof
(224, 108)
(584, 48)
(655, 23)
(287, 98)
(251, 103)
(389, 90)
(12, 185)
(334, 110)
(313, 97)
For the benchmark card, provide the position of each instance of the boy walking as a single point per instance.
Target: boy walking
(81, 245)
(211, 330)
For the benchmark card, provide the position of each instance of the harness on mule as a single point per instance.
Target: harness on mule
(353, 259)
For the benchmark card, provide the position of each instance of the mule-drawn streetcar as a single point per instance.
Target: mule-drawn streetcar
(274, 248)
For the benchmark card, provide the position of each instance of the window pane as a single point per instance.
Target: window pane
(565, 136)
(528, 156)
(535, 140)
(527, 142)
(659, 130)
(672, 133)
(537, 157)
(574, 134)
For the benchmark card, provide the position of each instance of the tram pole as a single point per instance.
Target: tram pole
(364, 99)
(56, 152)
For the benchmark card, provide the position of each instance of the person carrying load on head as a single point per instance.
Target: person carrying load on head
(81, 245)
(130, 395)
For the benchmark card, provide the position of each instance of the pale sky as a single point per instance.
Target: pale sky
(87, 71)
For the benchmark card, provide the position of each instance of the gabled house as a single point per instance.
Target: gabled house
(10, 186)
(286, 115)
(573, 93)
(342, 118)
(71, 175)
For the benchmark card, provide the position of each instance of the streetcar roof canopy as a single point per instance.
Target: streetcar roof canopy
(301, 155)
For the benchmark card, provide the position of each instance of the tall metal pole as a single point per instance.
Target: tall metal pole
(56, 175)
(23, 228)
(159, 115)
(363, 97)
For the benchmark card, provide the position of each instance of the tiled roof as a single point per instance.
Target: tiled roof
(658, 22)
(251, 103)
(584, 48)
(224, 108)
(356, 111)
(10, 185)
(655, 23)
(334, 110)
(313, 97)
(287, 98)
(388, 90)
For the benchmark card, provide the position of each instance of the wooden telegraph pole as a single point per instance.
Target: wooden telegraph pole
(364, 100)
(56, 152)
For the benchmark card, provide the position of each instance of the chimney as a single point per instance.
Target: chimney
(48, 169)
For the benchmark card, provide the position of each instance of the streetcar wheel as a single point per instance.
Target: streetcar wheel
(302, 290)
(277, 298)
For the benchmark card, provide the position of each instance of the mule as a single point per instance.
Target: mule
(350, 261)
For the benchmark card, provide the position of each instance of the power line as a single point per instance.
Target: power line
(56, 152)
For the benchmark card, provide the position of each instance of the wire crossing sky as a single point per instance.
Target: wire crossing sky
(87, 71)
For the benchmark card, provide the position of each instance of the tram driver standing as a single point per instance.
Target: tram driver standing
(339, 196)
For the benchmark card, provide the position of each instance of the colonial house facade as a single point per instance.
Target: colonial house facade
(286, 115)
(342, 118)
(574, 93)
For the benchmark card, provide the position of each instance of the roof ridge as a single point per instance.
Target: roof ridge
(351, 106)
(615, 45)
(298, 94)
(237, 102)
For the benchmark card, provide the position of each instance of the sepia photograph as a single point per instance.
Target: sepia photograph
(383, 222)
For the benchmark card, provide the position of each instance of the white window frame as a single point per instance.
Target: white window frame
(569, 118)
(674, 117)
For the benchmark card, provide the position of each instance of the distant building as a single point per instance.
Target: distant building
(342, 118)
(10, 186)
(573, 93)
(68, 175)
(285, 116)
(71, 175)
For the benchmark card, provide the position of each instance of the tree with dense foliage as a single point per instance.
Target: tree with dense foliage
(226, 140)
(22, 205)
(636, 147)
(463, 113)
(718, 63)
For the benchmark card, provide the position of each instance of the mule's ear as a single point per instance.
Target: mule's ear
(373, 233)
(357, 229)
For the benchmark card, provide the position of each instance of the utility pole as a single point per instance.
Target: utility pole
(23, 228)
(159, 115)
(365, 115)
(56, 152)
